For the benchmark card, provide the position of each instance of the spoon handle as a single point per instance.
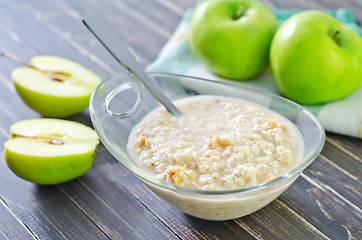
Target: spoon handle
(121, 53)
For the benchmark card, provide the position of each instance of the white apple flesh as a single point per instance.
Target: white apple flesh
(62, 89)
(50, 151)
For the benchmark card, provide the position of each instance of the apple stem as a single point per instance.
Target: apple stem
(239, 13)
(52, 73)
(334, 35)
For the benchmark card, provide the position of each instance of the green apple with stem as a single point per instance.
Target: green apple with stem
(50, 151)
(232, 37)
(315, 58)
(54, 86)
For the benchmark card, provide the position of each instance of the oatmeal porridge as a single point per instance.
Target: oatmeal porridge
(218, 143)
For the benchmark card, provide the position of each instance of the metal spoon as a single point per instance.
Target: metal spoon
(121, 53)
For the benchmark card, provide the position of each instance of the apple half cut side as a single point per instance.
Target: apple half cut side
(62, 89)
(50, 151)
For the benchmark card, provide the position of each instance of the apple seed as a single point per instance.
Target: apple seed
(56, 142)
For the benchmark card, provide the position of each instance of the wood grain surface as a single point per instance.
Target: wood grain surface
(108, 202)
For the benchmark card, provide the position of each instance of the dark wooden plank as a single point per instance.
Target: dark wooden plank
(10, 226)
(137, 35)
(7, 119)
(125, 22)
(46, 211)
(110, 205)
(350, 146)
(342, 160)
(39, 39)
(278, 221)
(183, 4)
(144, 29)
(326, 171)
(69, 30)
(8, 100)
(155, 15)
(95, 204)
(319, 205)
(117, 216)
(27, 46)
(19, 113)
(176, 7)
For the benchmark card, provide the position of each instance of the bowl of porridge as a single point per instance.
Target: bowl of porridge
(232, 151)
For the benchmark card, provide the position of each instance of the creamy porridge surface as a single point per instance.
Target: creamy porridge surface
(218, 143)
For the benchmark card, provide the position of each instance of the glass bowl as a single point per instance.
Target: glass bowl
(121, 102)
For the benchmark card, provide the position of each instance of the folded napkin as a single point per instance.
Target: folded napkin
(343, 116)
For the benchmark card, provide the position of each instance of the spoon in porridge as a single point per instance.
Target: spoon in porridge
(123, 55)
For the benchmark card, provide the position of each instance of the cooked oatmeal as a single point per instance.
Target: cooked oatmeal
(218, 143)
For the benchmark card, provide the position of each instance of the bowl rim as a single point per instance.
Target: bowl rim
(151, 178)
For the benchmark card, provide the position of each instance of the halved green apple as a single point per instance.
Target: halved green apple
(50, 151)
(55, 87)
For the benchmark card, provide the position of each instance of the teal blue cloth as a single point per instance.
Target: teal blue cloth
(343, 15)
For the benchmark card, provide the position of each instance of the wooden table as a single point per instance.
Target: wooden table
(108, 202)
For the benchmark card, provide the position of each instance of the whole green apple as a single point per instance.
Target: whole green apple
(315, 58)
(55, 87)
(232, 37)
(50, 151)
